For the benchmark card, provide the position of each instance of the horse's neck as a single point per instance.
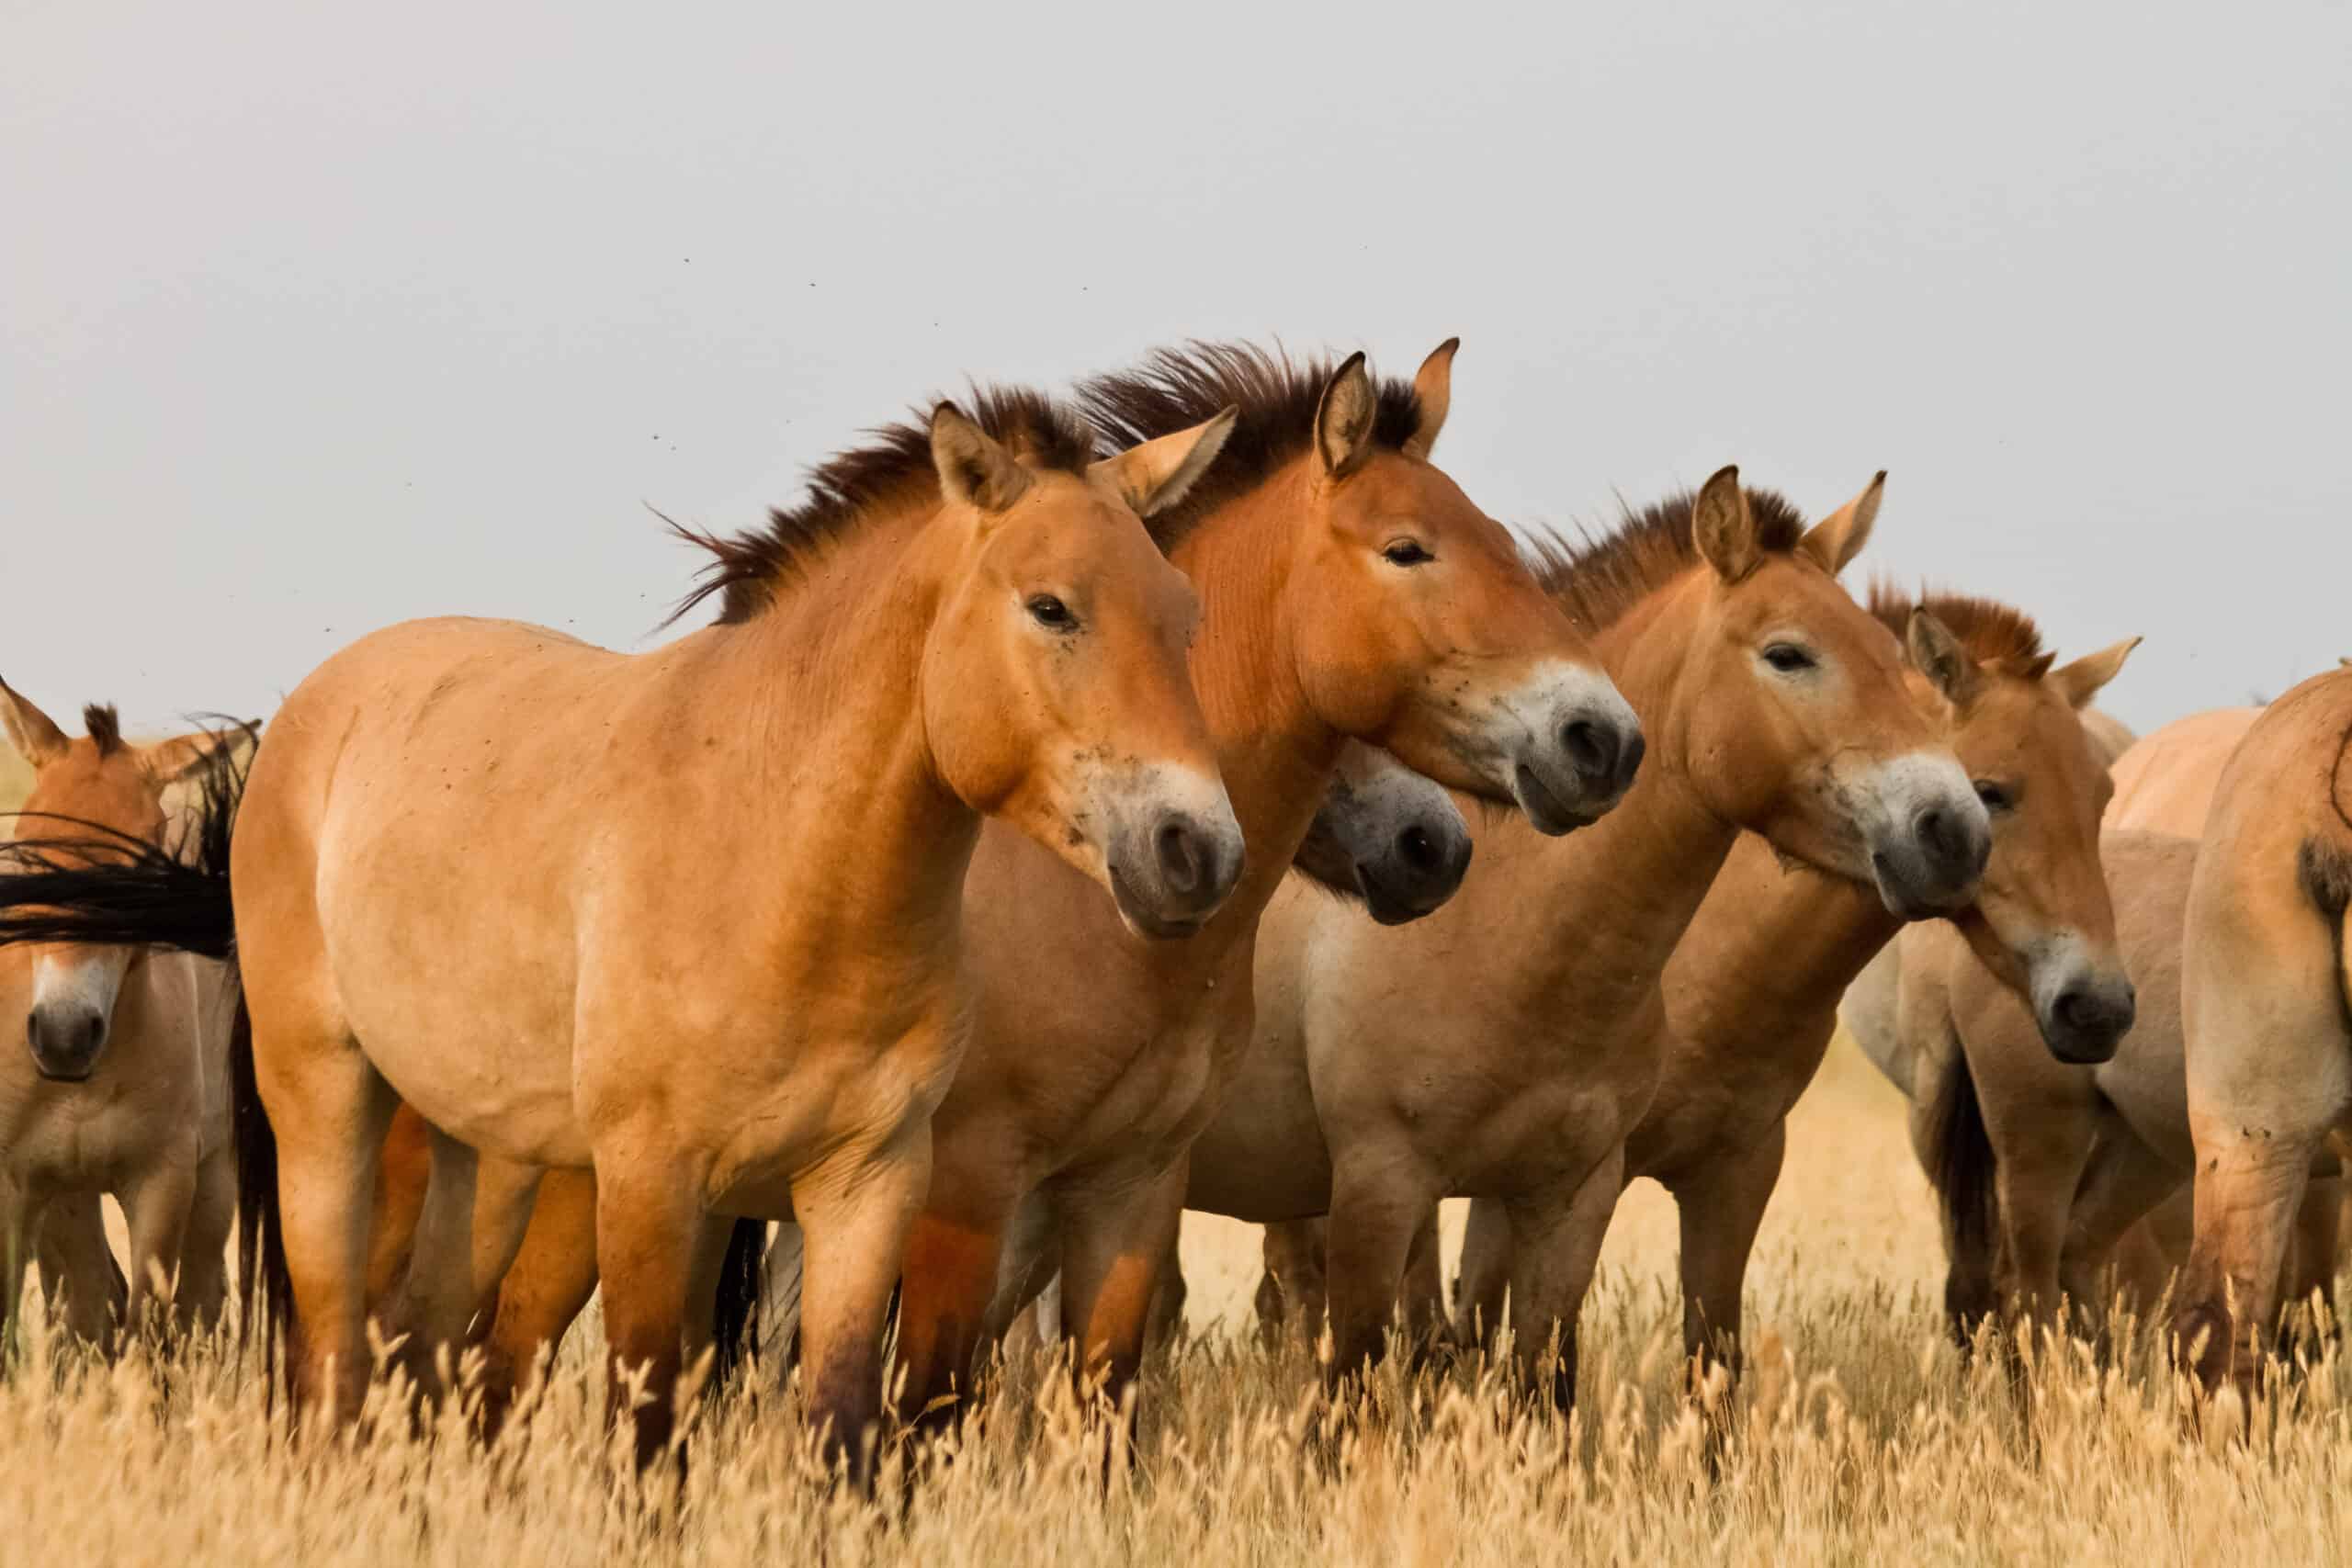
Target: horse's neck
(1274, 752)
(801, 732)
(1600, 911)
(1772, 945)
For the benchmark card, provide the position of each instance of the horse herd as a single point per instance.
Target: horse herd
(936, 897)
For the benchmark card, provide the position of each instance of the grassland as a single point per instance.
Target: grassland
(1860, 1436)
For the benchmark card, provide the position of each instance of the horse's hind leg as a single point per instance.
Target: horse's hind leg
(2124, 1180)
(78, 1267)
(548, 1286)
(328, 1108)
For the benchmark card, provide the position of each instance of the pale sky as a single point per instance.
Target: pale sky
(317, 318)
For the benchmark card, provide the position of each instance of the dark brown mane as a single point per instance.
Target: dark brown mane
(894, 463)
(1175, 388)
(105, 726)
(1596, 578)
(1992, 632)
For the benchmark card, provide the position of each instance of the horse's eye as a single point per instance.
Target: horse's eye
(1406, 552)
(1788, 658)
(1051, 613)
(1997, 797)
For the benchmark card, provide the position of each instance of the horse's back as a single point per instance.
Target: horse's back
(2164, 781)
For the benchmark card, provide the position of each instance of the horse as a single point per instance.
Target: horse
(1753, 987)
(2267, 1013)
(123, 1088)
(1351, 590)
(691, 919)
(1506, 1046)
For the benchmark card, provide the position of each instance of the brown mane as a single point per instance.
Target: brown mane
(893, 465)
(1175, 388)
(1992, 632)
(105, 726)
(1597, 578)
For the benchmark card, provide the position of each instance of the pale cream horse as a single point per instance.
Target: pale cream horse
(1505, 1045)
(2266, 999)
(121, 1088)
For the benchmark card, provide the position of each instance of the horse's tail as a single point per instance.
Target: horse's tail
(735, 1321)
(265, 1289)
(1962, 1167)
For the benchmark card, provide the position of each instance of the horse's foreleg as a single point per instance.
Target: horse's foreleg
(2124, 1180)
(1555, 1246)
(1377, 1202)
(953, 1250)
(1292, 1291)
(1720, 1202)
(404, 1175)
(156, 1204)
(78, 1267)
(648, 1219)
(1484, 1275)
(1112, 1245)
(1422, 1303)
(204, 1261)
(854, 1212)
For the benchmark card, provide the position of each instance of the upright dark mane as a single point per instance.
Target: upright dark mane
(1597, 578)
(1175, 388)
(1992, 632)
(895, 463)
(105, 726)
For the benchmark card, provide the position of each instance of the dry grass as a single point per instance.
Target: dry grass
(1861, 1438)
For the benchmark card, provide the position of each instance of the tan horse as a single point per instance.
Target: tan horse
(123, 1088)
(692, 918)
(2265, 1000)
(1351, 590)
(1506, 1046)
(1753, 987)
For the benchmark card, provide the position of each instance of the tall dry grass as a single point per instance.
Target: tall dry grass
(1859, 1437)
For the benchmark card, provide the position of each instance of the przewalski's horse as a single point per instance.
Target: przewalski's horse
(692, 918)
(2266, 1005)
(122, 1085)
(1506, 1046)
(1753, 988)
(1351, 589)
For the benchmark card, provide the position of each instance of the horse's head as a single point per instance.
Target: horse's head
(1385, 835)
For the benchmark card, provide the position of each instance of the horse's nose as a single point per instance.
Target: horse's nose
(1958, 847)
(65, 1038)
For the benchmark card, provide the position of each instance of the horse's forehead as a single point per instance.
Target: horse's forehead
(1791, 589)
(1392, 487)
(114, 790)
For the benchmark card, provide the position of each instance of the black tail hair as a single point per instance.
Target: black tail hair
(735, 1321)
(265, 1288)
(1961, 1166)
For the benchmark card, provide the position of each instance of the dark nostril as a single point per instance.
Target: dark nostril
(1629, 760)
(1591, 750)
(1183, 860)
(1416, 850)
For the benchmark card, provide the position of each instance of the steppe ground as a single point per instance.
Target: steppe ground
(1859, 1438)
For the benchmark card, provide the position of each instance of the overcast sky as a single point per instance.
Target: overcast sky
(317, 318)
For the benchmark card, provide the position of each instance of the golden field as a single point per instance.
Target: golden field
(1861, 1437)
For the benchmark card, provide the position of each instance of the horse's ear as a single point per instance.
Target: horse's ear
(184, 756)
(1839, 537)
(1722, 527)
(1343, 418)
(1154, 477)
(32, 732)
(974, 467)
(1432, 394)
(2080, 682)
(1936, 653)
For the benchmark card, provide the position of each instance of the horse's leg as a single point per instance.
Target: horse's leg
(398, 1206)
(328, 1107)
(20, 1219)
(1720, 1202)
(434, 1306)
(2124, 1179)
(546, 1288)
(1555, 1245)
(701, 1286)
(156, 1203)
(2313, 1273)
(2035, 1181)
(1166, 1319)
(648, 1219)
(1423, 1305)
(955, 1253)
(1294, 1289)
(204, 1261)
(1378, 1196)
(78, 1266)
(1113, 1241)
(1484, 1275)
(854, 1212)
